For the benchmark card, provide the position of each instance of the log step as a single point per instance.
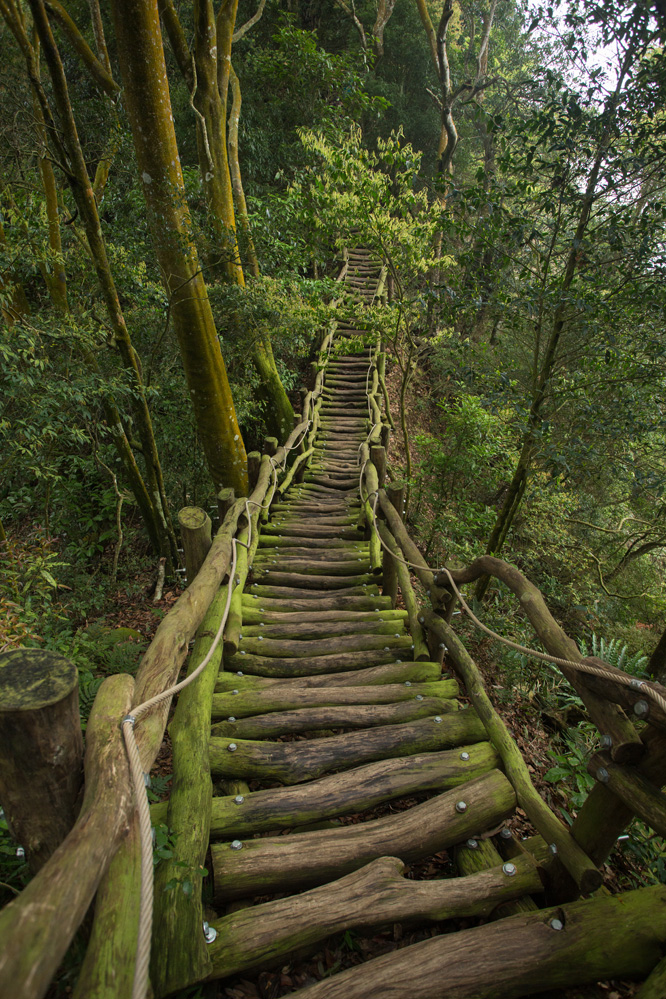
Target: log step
(316, 629)
(377, 894)
(248, 703)
(309, 581)
(397, 643)
(271, 865)
(253, 616)
(408, 674)
(356, 716)
(295, 762)
(284, 666)
(350, 793)
(310, 567)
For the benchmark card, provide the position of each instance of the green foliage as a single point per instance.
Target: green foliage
(164, 847)
(471, 443)
(616, 654)
(288, 84)
(648, 851)
(571, 766)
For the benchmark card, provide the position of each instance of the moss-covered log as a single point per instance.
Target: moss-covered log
(575, 944)
(354, 791)
(158, 671)
(293, 762)
(318, 631)
(603, 815)
(285, 863)
(407, 590)
(293, 649)
(283, 625)
(595, 692)
(311, 719)
(106, 972)
(480, 855)
(655, 986)
(41, 749)
(312, 567)
(643, 798)
(309, 581)
(285, 698)
(179, 952)
(584, 872)
(267, 599)
(289, 667)
(195, 533)
(376, 894)
(252, 616)
(407, 673)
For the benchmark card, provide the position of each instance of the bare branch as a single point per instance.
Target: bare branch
(250, 23)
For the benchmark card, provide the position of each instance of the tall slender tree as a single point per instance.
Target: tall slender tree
(208, 74)
(143, 69)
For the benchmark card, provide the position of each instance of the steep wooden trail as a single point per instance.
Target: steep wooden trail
(326, 762)
(352, 757)
(323, 698)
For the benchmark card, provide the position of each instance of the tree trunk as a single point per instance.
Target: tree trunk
(542, 380)
(236, 177)
(219, 166)
(41, 749)
(149, 109)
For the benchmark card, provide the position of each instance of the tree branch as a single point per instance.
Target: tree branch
(177, 40)
(250, 23)
(98, 72)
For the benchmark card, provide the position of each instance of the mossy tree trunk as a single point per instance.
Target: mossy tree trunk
(149, 108)
(208, 74)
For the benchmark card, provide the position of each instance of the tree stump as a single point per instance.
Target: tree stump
(41, 749)
(196, 536)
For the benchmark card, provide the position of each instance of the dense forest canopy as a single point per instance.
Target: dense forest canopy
(178, 182)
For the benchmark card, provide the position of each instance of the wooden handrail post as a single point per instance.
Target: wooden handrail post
(378, 458)
(270, 446)
(253, 465)
(396, 494)
(41, 749)
(196, 535)
(385, 435)
(226, 499)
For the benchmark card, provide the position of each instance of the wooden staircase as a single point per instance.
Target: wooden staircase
(356, 783)
(323, 698)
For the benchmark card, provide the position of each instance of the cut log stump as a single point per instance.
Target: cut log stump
(41, 749)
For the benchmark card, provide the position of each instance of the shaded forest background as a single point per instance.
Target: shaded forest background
(508, 163)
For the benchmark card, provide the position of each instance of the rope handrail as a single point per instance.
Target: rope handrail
(583, 667)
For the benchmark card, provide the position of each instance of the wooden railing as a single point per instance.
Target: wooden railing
(630, 767)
